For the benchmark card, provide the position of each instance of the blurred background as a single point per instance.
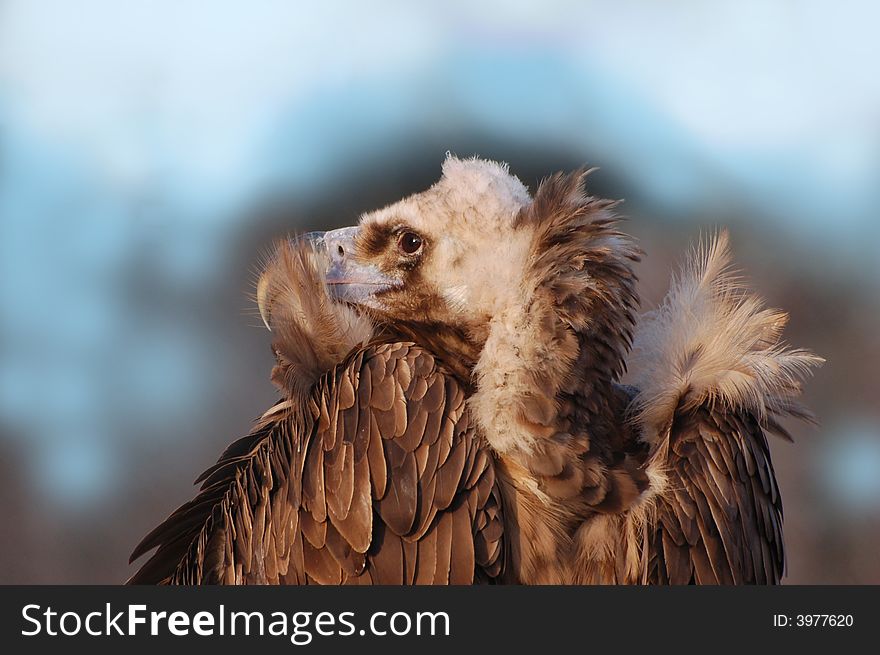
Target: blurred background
(151, 151)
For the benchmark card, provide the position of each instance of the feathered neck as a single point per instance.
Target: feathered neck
(550, 362)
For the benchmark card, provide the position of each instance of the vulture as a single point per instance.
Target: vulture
(453, 407)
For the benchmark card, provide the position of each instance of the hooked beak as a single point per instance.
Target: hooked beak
(347, 279)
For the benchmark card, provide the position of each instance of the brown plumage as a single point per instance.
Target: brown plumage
(452, 408)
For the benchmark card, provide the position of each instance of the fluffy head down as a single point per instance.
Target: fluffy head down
(475, 192)
(472, 260)
(712, 342)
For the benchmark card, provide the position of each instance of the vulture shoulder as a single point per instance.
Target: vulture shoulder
(376, 477)
(714, 377)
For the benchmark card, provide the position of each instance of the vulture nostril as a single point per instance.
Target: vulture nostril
(340, 250)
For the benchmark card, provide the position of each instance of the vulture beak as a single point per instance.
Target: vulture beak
(349, 280)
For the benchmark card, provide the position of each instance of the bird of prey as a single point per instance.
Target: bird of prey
(452, 408)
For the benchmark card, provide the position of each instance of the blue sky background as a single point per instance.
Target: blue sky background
(141, 142)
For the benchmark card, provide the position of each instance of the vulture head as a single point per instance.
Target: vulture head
(511, 292)
(451, 256)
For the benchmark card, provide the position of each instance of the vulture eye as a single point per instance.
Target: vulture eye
(409, 243)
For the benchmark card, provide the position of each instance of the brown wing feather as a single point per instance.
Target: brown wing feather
(720, 521)
(378, 479)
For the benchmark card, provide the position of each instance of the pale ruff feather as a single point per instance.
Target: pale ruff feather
(712, 342)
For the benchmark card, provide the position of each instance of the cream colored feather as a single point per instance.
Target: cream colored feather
(711, 341)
